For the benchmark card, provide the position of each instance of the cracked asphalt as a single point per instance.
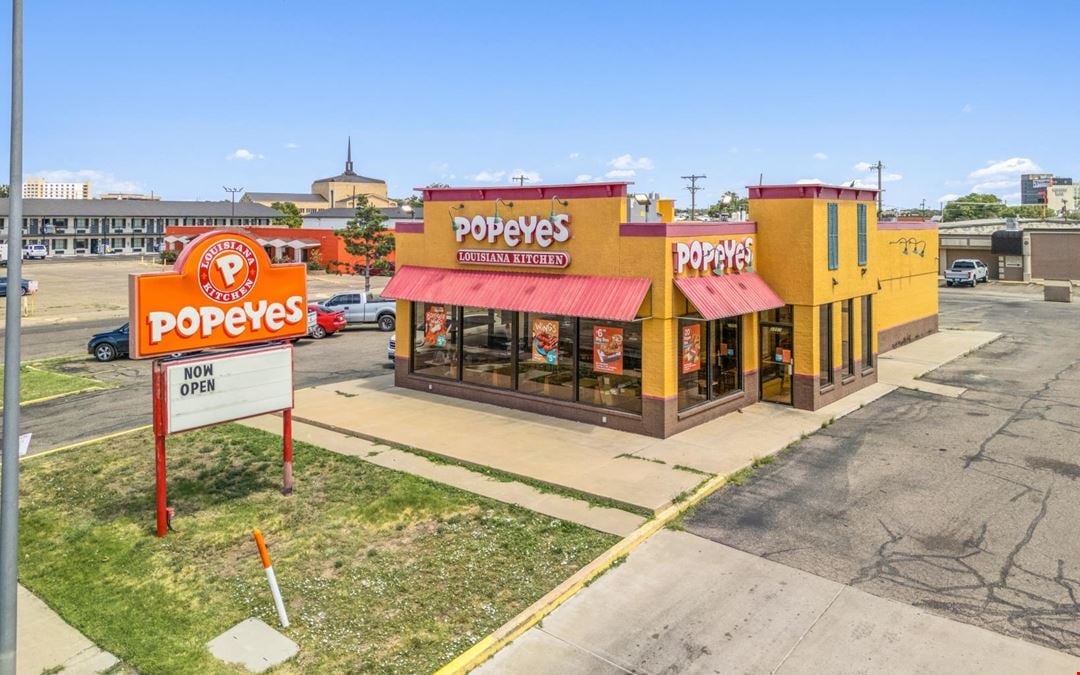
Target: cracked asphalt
(966, 507)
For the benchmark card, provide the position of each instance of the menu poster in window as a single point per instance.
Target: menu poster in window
(691, 348)
(435, 326)
(545, 341)
(607, 350)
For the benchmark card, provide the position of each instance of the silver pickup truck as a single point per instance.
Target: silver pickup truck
(967, 273)
(361, 307)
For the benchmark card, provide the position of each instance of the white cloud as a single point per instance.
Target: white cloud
(820, 155)
(621, 173)
(530, 176)
(863, 166)
(1014, 166)
(627, 161)
(583, 178)
(292, 146)
(489, 176)
(994, 185)
(967, 108)
(860, 183)
(244, 154)
(809, 181)
(100, 181)
(891, 177)
(574, 155)
(948, 197)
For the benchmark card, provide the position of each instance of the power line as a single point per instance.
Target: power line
(693, 188)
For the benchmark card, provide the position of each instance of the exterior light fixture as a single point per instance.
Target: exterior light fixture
(498, 220)
(451, 212)
(555, 200)
(835, 282)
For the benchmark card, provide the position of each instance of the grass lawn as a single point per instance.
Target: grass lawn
(37, 381)
(381, 571)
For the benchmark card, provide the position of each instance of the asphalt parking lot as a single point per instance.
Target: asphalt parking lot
(85, 296)
(964, 507)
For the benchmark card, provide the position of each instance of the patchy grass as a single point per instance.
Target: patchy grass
(742, 475)
(381, 571)
(38, 381)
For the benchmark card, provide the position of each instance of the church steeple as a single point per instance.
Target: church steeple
(348, 158)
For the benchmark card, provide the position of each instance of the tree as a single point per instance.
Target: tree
(3, 191)
(728, 204)
(366, 238)
(292, 218)
(974, 206)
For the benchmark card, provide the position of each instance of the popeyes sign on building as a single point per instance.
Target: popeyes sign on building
(720, 257)
(222, 292)
(528, 230)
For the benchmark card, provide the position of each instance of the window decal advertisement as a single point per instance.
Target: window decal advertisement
(607, 350)
(545, 341)
(691, 349)
(435, 326)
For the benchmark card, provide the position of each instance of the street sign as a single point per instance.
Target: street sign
(223, 291)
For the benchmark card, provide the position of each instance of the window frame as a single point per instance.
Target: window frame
(862, 253)
(847, 347)
(867, 319)
(833, 211)
(826, 377)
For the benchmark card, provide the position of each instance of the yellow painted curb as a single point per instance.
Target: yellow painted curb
(532, 615)
(89, 442)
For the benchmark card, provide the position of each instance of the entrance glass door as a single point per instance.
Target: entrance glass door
(777, 359)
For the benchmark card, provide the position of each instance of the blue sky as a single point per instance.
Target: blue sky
(184, 97)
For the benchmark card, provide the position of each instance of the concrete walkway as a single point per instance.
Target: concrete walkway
(613, 521)
(904, 365)
(47, 643)
(685, 604)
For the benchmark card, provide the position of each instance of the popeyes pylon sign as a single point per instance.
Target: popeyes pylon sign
(222, 292)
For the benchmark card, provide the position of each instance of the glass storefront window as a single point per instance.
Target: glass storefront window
(487, 338)
(694, 362)
(783, 315)
(825, 376)
(546, 355)
(435, 337)
(727, 378)
(609, 364)
(867, 333)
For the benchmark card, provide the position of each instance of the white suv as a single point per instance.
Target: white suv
(35, 252)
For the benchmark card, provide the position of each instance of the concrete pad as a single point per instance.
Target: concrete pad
(903, 366)
(540, 652)
(883, 636)
(681, 603)
(47, 642)
(253, 645)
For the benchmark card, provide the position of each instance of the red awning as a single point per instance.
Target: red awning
(612, 298)
(720, 296)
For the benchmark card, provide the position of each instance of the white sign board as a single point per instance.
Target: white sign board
(219, 388)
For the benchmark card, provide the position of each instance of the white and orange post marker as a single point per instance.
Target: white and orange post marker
(279, 604)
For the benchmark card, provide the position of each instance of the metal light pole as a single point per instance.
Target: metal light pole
(9, 483)
(232, 192)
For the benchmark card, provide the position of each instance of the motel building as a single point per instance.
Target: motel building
(548, 299)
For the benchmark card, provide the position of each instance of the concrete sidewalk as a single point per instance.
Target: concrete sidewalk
(903, 366)
(47, 643)
(685, 604)
(627, 468)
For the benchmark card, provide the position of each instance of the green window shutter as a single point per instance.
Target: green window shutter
(834, 238)
(862, 234)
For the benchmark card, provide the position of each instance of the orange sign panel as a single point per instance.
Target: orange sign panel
(223, 291)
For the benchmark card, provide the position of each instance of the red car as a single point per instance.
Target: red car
(327, 322)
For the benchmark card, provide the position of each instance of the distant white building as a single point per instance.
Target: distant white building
(35, 187)
(338, 219)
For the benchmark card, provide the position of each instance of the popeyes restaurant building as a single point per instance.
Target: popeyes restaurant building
(546, 299)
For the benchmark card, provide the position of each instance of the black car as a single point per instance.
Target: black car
(3, 287)
(110, 344)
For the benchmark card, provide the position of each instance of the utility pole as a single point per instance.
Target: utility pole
(878, 167)
(693, 188)
(923, 210)
(521, 180)
(232, 192)
(9, 482)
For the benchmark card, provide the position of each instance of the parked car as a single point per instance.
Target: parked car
(109, 345)
(35, 252)
(312, 322)
(327, 322)
(390, 348)
(966, 271)
(361, 307)
(27, 286)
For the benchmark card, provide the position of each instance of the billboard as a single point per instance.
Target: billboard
(222, 291)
